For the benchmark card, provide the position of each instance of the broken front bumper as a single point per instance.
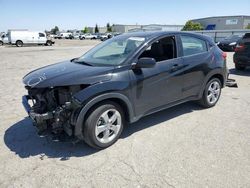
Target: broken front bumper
(55, 121)
(37, 118)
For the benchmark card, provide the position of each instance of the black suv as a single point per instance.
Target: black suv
(121, 80)
(242, 53)
(229, 43)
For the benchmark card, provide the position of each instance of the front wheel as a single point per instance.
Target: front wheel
(211, 93)
(103, 125)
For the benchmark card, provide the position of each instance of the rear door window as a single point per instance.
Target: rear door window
(193, 45)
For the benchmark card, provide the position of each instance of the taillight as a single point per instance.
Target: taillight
(239, 47)
(224, 55)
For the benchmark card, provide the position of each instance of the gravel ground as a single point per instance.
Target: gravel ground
(184, 146)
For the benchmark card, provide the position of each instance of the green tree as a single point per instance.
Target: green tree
(109, 28)
(85, 30)
(96, 28)
(192, 26)
(54, 30)
(248, 26)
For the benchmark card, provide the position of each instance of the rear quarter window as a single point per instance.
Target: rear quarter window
(193, 45)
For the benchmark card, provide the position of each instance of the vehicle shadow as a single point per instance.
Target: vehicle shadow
(159, 117)
(245, 72)
(22, 138)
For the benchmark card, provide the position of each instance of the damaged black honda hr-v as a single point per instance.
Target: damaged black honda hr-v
(121, 80)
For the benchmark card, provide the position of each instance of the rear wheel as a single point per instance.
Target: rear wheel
(49, 43)
(239, 67)
(1, 43)
(103, 125)
(19, 43)
(211, 93)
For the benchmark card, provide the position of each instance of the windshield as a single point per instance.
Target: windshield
(113, 51)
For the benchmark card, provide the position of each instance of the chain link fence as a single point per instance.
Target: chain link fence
(219, 35)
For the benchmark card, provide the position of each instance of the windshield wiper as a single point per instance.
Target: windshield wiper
(82, 62)
(76, 60)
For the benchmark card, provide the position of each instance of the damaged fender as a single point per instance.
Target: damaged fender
(102, 91)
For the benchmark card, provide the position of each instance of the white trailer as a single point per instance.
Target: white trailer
(21, 37)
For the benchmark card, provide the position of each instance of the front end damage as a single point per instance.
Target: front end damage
(53, 110)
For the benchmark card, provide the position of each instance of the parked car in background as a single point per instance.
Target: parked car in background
(52, 36)
(4, 39)
(105, 36)
(121, 80)
(76, 36)
(21, 37)
(70, 36)
(64, 35)
(229, 43)
(242, 53)
(88, 36)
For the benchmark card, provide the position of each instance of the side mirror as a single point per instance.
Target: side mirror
(145, 62)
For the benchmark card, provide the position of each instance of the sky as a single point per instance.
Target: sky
(76, 14)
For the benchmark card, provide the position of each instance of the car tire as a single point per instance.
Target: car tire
(104, 125)
(1, 43)
(19, 43)
(49, 43)
(239, 67)
(211, 94)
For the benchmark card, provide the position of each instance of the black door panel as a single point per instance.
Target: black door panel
(157, 86)
(194, 73)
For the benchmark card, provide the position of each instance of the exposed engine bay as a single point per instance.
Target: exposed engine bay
(52, 109)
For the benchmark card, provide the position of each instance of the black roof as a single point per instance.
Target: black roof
(155, 34)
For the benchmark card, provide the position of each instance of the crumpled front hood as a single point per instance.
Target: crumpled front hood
(67, 73)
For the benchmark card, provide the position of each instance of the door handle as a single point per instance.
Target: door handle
(175, 67)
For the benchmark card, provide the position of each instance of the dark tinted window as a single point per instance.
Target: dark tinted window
(161, 50)
(41, 35)
(246, 36)
(193, 45)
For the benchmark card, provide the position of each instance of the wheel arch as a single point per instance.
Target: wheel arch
(214, 74)
(19, 40)
(220, 77)
(118, 98)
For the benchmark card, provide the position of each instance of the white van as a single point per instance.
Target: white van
(21, 37)
(4, 39)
